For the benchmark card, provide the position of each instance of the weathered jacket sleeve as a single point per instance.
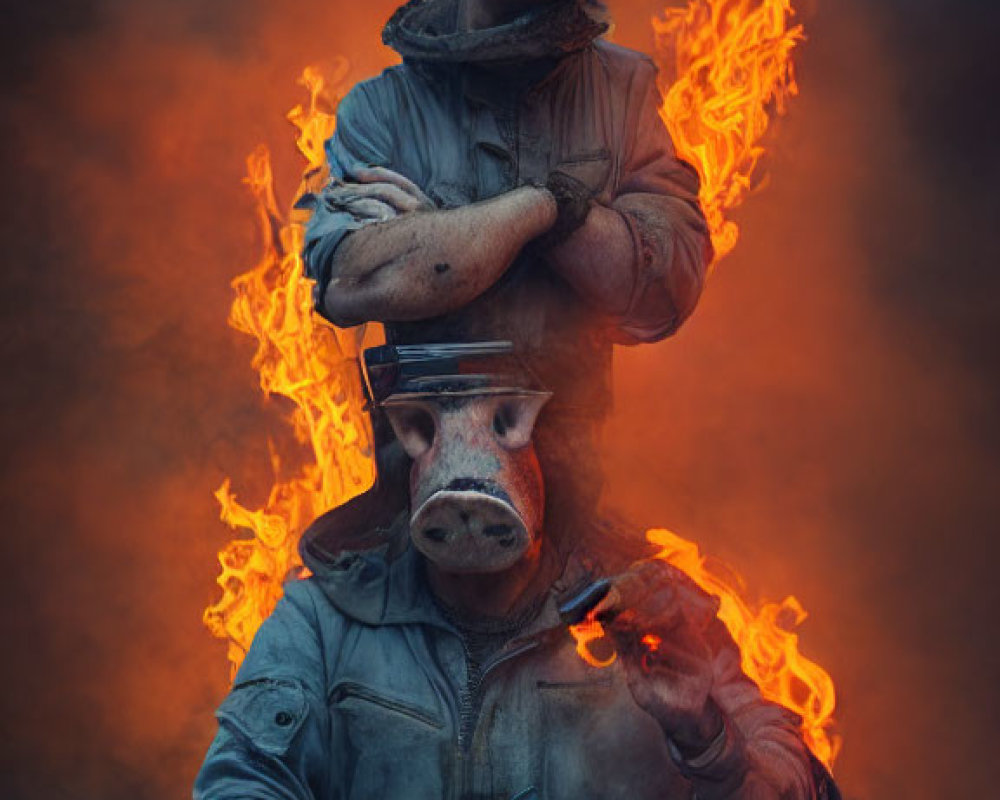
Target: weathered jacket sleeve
(763, 755)
(359, 140)
(273, 739)
(658, 197)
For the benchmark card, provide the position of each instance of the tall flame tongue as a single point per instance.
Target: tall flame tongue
(726, 65)
(301, 358)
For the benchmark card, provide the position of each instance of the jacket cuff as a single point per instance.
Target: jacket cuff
(718, 770)
(323, 236)
(651, 314)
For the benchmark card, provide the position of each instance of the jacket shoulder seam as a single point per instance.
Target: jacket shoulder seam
(619, 56)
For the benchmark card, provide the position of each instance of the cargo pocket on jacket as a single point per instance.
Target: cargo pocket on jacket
(268, 712)
(395, 744)
(347, 691)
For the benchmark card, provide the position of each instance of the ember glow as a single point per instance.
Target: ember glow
(727, 69)
(586, 632)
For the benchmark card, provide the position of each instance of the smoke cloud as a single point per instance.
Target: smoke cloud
(825, 422)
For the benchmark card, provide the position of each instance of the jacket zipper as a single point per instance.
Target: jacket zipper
(472, 698)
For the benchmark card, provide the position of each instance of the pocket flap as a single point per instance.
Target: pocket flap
(593, 169)
(267, 711)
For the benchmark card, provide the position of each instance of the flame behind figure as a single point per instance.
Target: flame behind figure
(303, 359)
(729, 61)
(725, 64)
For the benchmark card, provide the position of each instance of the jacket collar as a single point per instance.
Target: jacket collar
(385, 585)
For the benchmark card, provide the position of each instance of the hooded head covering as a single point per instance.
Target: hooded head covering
(428, 31)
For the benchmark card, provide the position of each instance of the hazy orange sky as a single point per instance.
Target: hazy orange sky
(825, 422)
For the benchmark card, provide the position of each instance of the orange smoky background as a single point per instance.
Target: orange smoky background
(825, 422)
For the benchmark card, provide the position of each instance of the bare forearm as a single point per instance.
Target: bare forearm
(425, 264)
(598, 260)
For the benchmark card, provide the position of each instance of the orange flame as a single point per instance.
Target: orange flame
(724, 65)
(586, 632)
(769, 650)
(303, 359)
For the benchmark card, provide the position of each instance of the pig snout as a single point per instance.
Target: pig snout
(476, 493)
(469, 529)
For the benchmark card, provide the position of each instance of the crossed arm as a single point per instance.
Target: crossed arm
(417, 262)
(382, 251)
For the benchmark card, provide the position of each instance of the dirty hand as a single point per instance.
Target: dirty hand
(338, 199)
(656, 619)
(573, 202)
(377, 191)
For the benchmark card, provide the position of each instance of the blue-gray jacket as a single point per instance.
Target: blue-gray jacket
(355, 688)
(468, 116)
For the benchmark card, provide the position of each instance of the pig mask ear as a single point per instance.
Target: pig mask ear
(415, 425)
(514, 418)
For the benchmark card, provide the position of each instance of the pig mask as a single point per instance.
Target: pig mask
(476, 489)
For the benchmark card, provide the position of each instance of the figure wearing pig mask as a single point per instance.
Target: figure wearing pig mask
(510, 179)
(435, 663)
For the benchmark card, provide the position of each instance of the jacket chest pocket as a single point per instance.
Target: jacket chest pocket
(394, 745)
(366, 705)
(591, 167)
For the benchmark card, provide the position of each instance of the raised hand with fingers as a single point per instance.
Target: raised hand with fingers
(658, 620)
